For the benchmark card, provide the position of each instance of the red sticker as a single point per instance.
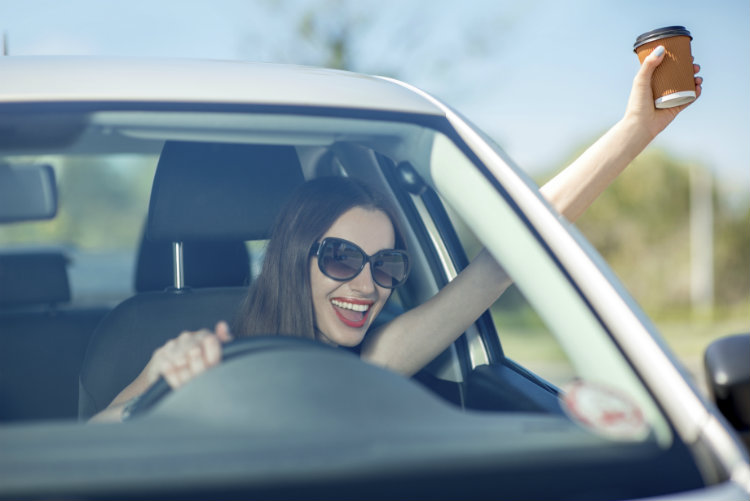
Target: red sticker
(606, 411)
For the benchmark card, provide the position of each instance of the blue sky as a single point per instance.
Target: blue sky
(543, 77)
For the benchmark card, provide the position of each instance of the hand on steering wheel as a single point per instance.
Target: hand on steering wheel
(228, 349)
(189, 354)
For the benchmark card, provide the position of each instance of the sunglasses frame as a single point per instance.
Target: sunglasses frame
(317, 247)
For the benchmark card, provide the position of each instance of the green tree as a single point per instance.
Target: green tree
(359, 36)
(732, 254)
(641, 226)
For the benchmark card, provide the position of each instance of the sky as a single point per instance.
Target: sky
(542, 77)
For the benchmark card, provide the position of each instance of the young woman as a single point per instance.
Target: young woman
(336, 253)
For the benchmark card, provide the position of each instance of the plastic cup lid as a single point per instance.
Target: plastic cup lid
(659, 33)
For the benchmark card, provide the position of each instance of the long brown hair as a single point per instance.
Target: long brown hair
(280, 299)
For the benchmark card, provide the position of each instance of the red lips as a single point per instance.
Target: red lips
(352, 312)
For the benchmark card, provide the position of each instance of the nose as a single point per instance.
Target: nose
(363, 282)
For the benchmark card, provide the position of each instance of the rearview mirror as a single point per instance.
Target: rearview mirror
(727, 362)
(27, 193)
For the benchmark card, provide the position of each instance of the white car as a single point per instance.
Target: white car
(157, 181)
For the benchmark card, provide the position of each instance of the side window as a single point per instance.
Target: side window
(103, 202)
(553, 307)
(522, 333)
(257, 252)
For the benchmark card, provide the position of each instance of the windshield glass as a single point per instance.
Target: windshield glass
(104, 176)
(536, 375)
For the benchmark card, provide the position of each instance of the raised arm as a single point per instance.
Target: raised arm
(410, 341)
(573, 190)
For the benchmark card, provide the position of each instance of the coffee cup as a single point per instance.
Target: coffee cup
(673, 82)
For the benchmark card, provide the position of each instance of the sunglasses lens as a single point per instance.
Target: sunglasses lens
(340, 260)
(389, 268)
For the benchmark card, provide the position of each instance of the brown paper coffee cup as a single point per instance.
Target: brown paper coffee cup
(673, 82)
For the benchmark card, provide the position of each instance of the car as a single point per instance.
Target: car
(137, 196)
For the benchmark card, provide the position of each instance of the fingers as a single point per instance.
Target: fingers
(642, 80)
(698, 87)
(222, 332)
(190, 354)
(698, 80)
(656, 57)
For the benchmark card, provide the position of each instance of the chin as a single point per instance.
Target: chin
(341, 334)
(344, 336)
(349, 339)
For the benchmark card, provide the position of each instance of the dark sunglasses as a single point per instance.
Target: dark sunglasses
(342, 260)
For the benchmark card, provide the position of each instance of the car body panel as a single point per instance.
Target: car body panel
(26, 79)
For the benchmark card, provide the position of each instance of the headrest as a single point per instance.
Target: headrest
(218, 191)
(206, 264)
(33, 278)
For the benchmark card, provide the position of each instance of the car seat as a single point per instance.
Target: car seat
(44, 339)
(208, 192)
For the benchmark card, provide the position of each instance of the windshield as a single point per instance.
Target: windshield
(539, 360)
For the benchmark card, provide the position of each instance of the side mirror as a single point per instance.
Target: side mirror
(727, 362)
(27, 193)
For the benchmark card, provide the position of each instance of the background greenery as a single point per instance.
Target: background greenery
(641, 227)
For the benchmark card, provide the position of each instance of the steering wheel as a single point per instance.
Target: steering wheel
(233, 349)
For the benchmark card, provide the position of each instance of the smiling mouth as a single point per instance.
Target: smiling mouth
(350, 312)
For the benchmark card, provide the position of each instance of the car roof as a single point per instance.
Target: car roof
(92, 78)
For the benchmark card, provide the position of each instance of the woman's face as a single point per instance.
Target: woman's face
(345, 310)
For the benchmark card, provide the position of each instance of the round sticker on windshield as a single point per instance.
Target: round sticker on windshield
(606, 411)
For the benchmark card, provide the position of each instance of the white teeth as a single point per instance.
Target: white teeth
(350, 306)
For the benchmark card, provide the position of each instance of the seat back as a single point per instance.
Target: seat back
(33, 280)
(127, 337)
(43, 339)
(203, 192)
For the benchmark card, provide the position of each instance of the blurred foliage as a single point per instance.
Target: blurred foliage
(333, 33)
(102, 203)
(641, 226)
(732, 255)
(335, 37)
